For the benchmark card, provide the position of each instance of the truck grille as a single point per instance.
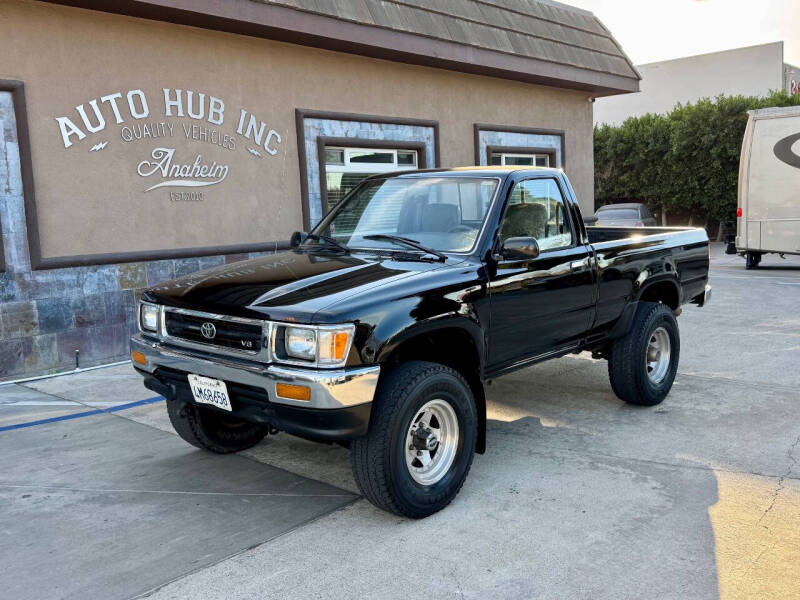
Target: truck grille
(231, 335)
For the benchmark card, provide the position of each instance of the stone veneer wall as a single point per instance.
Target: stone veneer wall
(313, 128)
(45, 316)
(518, 140)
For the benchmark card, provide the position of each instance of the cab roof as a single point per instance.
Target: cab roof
(474, 171)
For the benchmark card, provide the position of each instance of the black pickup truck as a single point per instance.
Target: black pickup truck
(379, 328)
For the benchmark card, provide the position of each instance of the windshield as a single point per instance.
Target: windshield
(611, 214)
(441, 213)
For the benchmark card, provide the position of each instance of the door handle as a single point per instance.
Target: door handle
(577, 265)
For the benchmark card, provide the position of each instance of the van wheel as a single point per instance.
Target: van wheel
(752, 259)
(212, 430)
(421, 440)
(642, 364)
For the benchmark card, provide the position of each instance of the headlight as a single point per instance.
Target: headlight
(301, 343)
(148, 317)
(324, 345)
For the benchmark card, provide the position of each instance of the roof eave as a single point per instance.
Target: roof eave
(320, 31)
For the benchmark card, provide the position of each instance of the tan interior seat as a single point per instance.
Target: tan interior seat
(524, 220)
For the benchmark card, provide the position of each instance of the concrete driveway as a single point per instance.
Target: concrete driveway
(578, 496)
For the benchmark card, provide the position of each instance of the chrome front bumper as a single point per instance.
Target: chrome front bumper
(330, 389)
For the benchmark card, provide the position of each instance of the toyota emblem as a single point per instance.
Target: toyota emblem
(208, 330)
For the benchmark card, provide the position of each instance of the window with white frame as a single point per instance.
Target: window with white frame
(511, 159)
(345, 168)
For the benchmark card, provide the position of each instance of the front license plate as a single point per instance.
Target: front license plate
(210, 391)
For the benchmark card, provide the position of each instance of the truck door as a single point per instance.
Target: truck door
(544, 304)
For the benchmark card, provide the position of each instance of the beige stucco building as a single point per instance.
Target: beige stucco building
(143, 140)
(750, 71)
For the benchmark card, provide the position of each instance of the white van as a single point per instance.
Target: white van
(768, 217)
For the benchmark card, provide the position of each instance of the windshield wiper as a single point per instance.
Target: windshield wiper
(328, 240)
(408, 242)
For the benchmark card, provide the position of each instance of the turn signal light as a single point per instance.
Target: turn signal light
(139, 357)
(293, 392)
(339, 344)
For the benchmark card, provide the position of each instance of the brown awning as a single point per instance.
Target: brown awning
(536, 41)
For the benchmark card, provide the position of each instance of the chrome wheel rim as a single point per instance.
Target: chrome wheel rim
(431, 442)
(657, 358)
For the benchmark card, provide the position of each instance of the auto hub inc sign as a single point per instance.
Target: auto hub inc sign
(165, 131)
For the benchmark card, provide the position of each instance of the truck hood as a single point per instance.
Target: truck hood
(288, 286)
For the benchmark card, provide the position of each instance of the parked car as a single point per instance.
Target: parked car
(768, 215)
(379, 328)
(631, 214)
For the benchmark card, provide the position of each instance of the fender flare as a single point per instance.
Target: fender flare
(413, 330)
(623, 324)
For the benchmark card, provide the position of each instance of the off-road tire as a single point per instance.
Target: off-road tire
(627, 368)
(752, 259)
(378, 459)
(212, 430)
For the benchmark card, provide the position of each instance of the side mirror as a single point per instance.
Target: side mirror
(298, 237)
(520, 248)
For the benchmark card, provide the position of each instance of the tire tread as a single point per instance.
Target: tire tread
(627, 380)
(368, 455)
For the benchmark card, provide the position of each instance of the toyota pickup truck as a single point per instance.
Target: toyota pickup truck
(379, 328)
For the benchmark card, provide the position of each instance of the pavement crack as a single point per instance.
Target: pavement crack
(286, 533)
(758, 558)
(753, 384)
(569, 452)
(780, 484)
(51, 395)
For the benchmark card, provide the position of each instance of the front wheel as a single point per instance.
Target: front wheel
(642, 365)
(421, 440)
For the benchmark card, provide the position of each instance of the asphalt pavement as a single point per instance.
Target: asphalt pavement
(578, 495)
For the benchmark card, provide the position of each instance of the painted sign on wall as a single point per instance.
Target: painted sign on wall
(162, 124)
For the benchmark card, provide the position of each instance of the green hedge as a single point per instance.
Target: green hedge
(686, 161)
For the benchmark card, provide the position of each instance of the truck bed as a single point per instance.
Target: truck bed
(610, 234)
(625, 253)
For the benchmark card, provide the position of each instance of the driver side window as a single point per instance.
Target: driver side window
(536, 209)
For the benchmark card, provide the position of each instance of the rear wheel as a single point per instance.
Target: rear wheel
(421, 440)
(642, 364)
(212, 430)
(752, 259)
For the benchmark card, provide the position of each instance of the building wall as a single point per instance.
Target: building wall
(48, 315)
(752, 71)
(90, 199)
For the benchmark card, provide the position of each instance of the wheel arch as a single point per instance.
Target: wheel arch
(464, 351)
(666, 290)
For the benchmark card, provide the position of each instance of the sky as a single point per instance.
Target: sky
(655, 30)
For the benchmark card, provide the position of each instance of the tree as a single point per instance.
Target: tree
(686, 160)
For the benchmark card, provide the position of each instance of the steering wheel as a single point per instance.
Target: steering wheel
(461, 229)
